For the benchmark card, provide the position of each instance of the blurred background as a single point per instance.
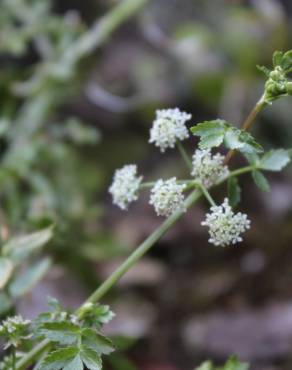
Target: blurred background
(72, 112)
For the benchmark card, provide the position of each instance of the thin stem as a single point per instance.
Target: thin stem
(27, 360)
(146, 185)
(207, 194)
(13, 354)
(248, 122)
(242, 170)
(140, 251)
(184, 155)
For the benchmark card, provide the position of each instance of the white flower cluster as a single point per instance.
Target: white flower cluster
(15, 329)
(13, 323)
(125, 186)
(225, 226)
(208, 168)
(168, 127)
(167, 197)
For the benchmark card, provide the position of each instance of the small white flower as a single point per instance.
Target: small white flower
(225, 226)
(15, 329)
(208, 168)
(168, 127)
(167, 197)
(125, 186)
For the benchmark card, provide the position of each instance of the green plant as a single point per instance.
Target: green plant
(20, 266)
(73, 340)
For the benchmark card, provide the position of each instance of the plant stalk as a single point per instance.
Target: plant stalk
(184, 155)
(140, 251)
(207, 194)
(248, 123)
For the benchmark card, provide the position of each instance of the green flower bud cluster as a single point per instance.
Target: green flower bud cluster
(278, 83)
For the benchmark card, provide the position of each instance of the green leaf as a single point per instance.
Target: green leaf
(22, 247)
(95, 315)
(210, 132)
(206, 366)
(96, 342)
(63, 332)
(252, 158)
(277, 58)
(210, 141)
(234, 364)
(286, 62)
(250, 145)
(5, 303)
(58, 359)
(75, 364)
(214, 133)
(215, 127)
(232, 139)
(275, 160)
(265, 70)
(91, 359)
(260, 180)
(6, 270)
(24, 282)
(234, 191)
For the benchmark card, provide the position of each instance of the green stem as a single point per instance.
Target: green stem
(146, 185)
(207, 194)
(140, 251)
(13, 354)
(28, 359)
(242, 170)
(184, 155)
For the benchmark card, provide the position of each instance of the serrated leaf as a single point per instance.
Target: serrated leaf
(91, 359)
(234, 191)
(6, 270)
(260, 180)
(58, 359)
(286, 62)
(215, 127)
(214, 133)
(63, 332)
(265, 70)
(275, 160)
(25, 281)
(22, 247)
(211, 133)
(277, 58)
(97, 342)
(75, 364)
(250, 145)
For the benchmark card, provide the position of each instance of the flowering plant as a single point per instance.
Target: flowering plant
(73, 340)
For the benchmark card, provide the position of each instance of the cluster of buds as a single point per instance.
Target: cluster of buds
(169, 127)
(225, 226)
(15, 329)
(208, 168)
(167, 196)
